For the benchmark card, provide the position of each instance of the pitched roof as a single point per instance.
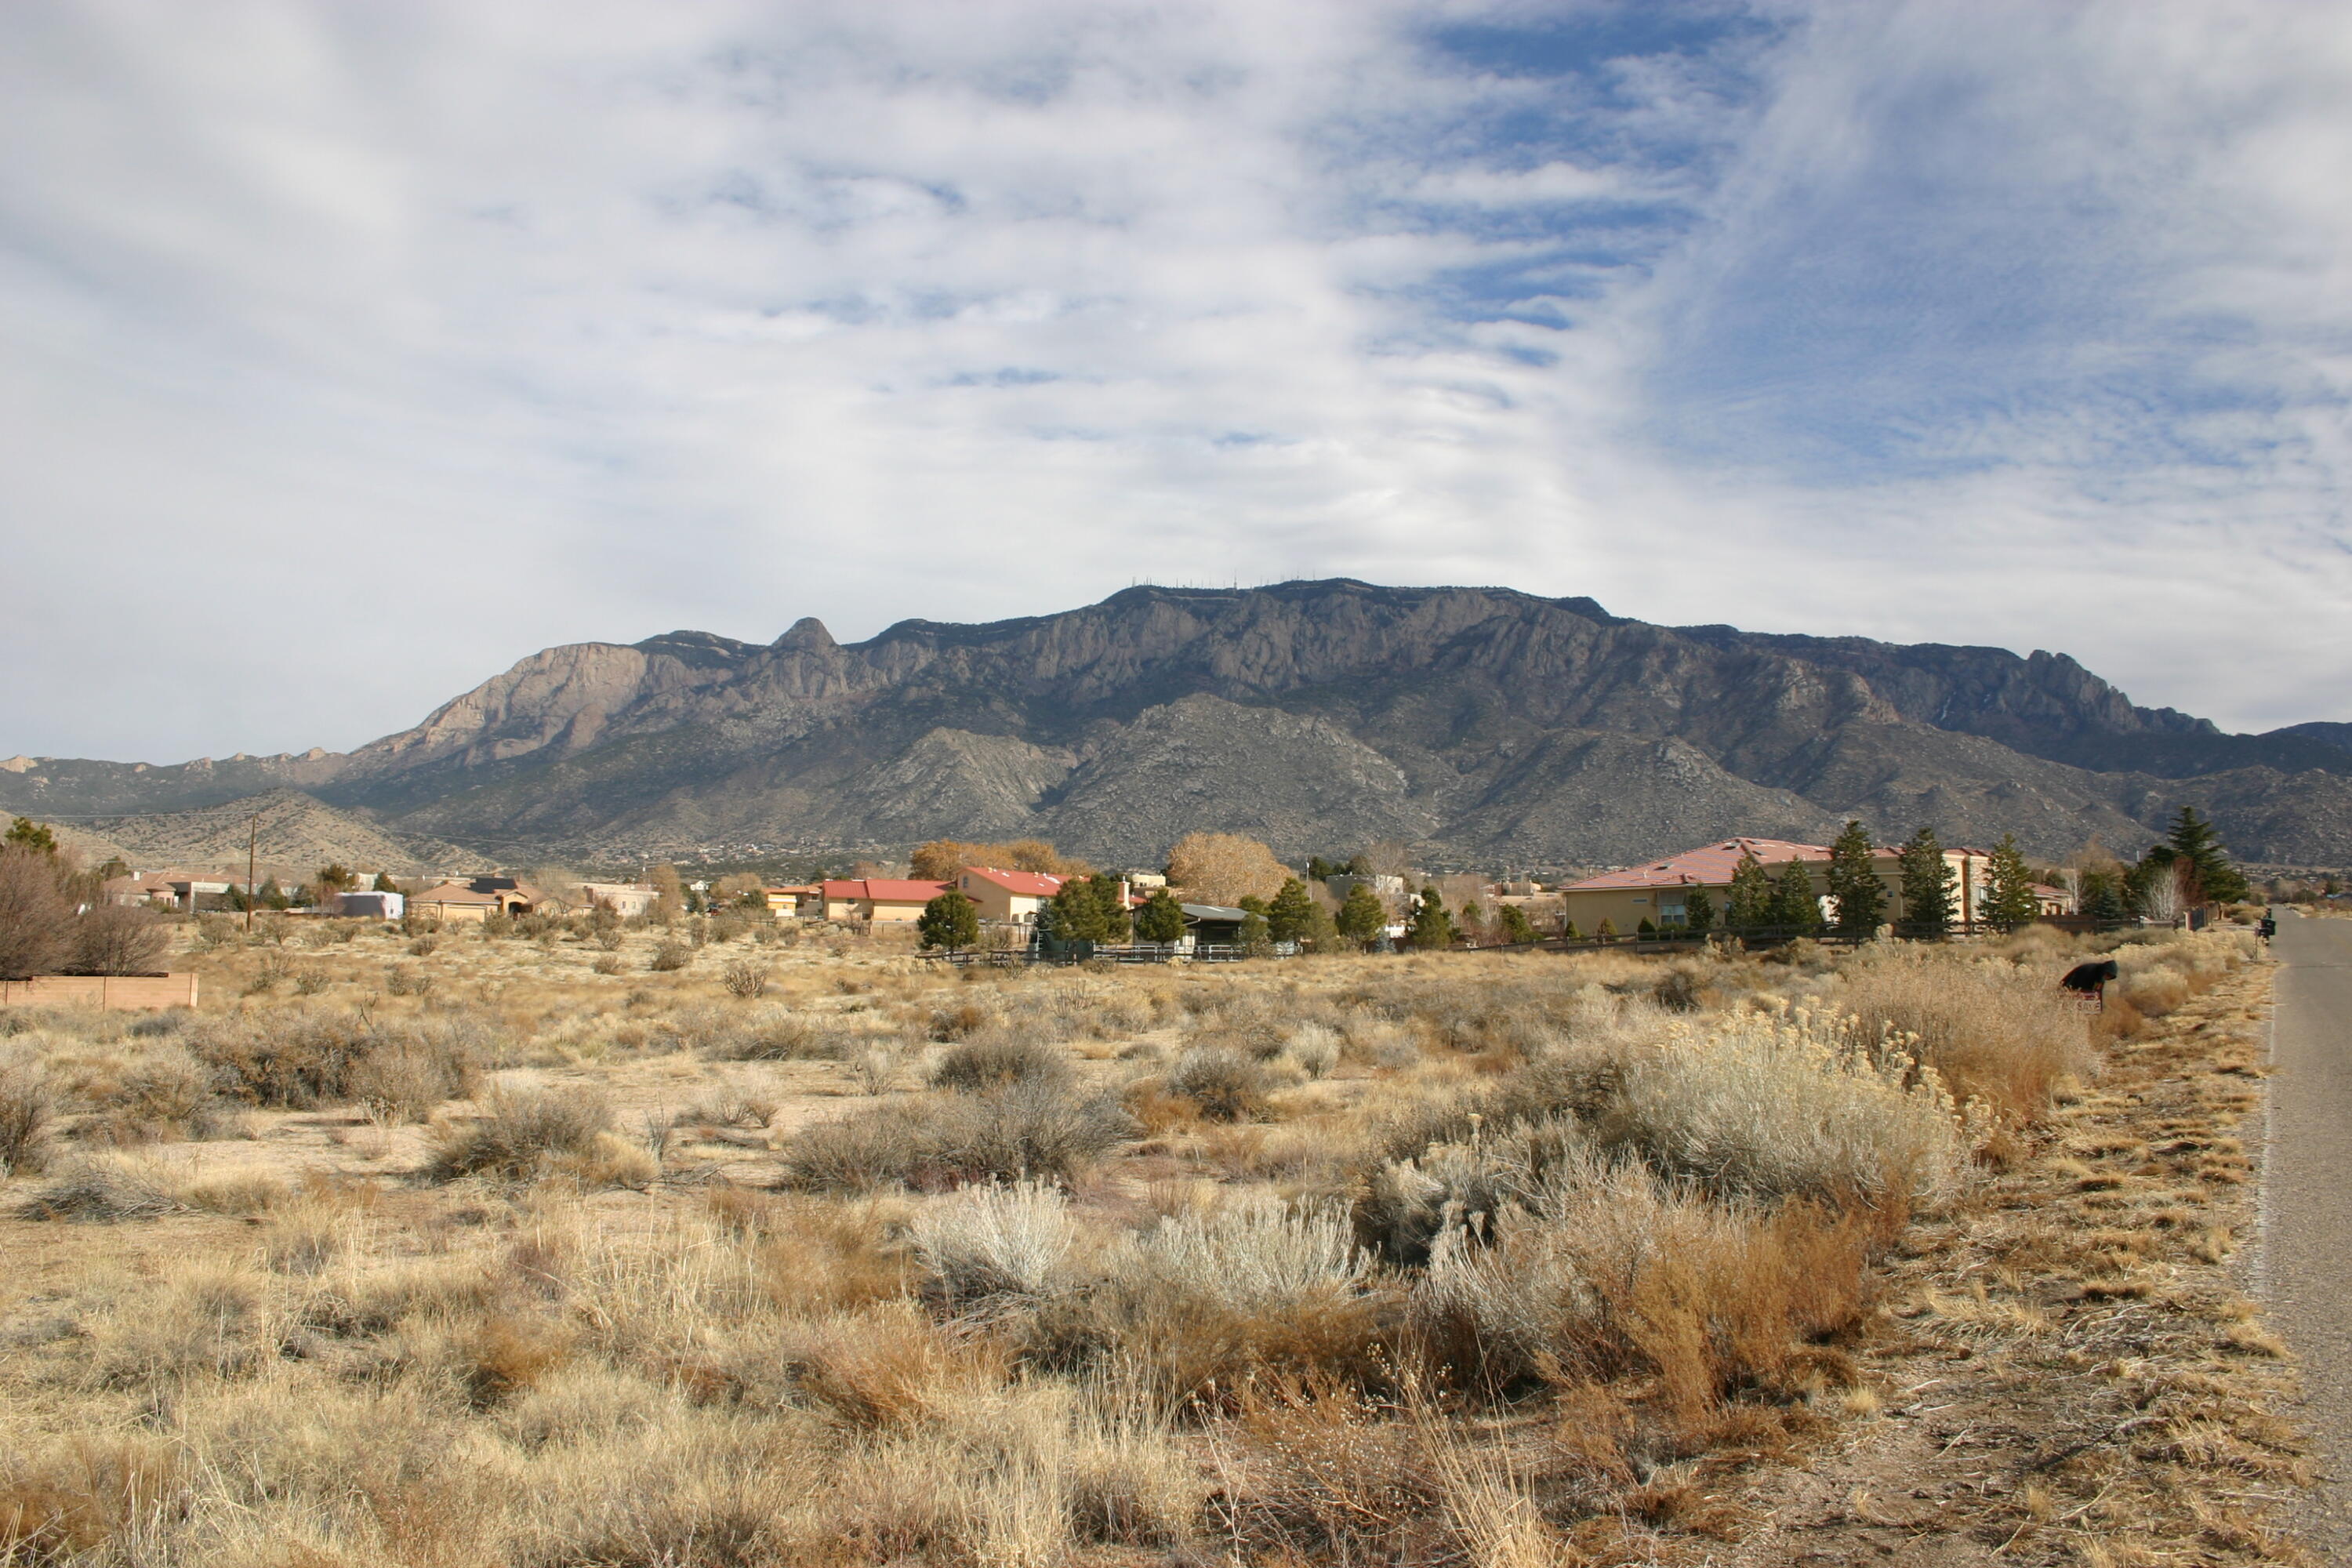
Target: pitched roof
(1709, 866)
(886, 890)
(1027, 884)
(454, 893)
(903, 892)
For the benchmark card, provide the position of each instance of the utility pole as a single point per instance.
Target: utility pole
(252, 838)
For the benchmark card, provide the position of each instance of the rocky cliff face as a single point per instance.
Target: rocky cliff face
(1480, 724)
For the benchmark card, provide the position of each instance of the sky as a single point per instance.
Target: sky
(349, 352)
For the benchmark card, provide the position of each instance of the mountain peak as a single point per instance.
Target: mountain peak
(808, 633)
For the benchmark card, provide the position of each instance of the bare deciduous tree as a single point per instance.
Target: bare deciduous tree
(35, 920)
(120, 939)
(1221, 867)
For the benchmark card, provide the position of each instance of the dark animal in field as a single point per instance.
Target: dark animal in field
(2090, 979)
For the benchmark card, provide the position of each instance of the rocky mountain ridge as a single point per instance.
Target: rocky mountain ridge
(1481, 725)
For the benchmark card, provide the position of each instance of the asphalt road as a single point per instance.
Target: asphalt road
(2306, 1258)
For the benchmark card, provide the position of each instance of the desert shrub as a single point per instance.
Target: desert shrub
(1196, 1308)
(607, 964)
(1605, 1273)
(405, 1073)
(1011, 1240)
(961, 1021)
(26, 1107)
(2155, 992)
(775, 1035)
(994, 1060)
(669, 956)
(1402, 1204)
(1225, 1084)
(1994, 1032)
(522, 1133)
(408, 979)
(102, 1189)
(877, 1065)
(1789, 1106)
(301, 1060)
(746, 977)
(1032, 1130)
(163, 1095)
(1312, 1047)
(426, 945)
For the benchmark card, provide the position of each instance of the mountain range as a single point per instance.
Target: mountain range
(1481, 727)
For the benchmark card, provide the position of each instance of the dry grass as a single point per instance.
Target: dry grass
(1437, 1258)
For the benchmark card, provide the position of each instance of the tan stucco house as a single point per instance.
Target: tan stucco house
(1660, 891)
(880, 900)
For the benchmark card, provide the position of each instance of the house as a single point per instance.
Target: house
(140, 888)
(1008, 898)
(626, 899)
(1660, 891)
(477, 900)
(1388, 887)
(881, 900)
(1212, 923)
(791, 902)
(2055, 900)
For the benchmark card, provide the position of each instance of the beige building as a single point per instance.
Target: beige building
(1008, 898)
(881, 900)
(475, 900)
(1660, 893)
(789, 903)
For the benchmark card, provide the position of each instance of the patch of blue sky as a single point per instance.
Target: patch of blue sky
(1585, 41)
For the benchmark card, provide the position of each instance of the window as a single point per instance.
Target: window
(1675, 914)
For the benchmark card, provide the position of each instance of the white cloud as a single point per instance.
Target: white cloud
(348, 354)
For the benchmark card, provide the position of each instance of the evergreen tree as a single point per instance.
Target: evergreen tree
(383, 883)
(1473, 921)
(1749, 898)
(1362, 916)
(1291, 912)
(1698, 912)
(333, 878)
(2192, 838)
(1254, 936)
(950, 921)
(1516, 925)
(1795, 908)
(1926, 882)
(1318, 869)
(2009, 899)
(1853, 882)
(1568, 931)
(1431, 925)
(2102, 897)
(1162, 919)
(30, 834)
(1112, 916)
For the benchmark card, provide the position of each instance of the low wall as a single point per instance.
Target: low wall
(148, 992)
